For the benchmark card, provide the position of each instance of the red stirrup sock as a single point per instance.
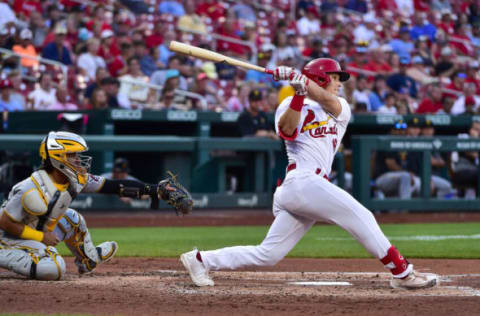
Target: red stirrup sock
(396, 263)
(199, 257)
(297, 102)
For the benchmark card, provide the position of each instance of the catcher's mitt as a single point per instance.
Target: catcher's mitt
(175, 194)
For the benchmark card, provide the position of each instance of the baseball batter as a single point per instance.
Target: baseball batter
(36, 216)
(312, 128)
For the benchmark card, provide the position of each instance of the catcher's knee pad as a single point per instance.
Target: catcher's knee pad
(43, 264)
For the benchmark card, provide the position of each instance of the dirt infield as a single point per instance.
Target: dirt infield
(158, 286)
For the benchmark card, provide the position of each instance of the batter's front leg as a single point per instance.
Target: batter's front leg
(286, 230)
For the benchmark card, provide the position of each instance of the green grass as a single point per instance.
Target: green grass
(172, 241)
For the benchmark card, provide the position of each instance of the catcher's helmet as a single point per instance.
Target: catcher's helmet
(318, 69)
(61, 150)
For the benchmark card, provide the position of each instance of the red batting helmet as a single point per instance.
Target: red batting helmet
(318, 69)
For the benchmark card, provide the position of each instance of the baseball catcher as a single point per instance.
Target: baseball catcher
(36, 216)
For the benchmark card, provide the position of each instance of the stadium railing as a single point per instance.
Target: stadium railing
(364, 146)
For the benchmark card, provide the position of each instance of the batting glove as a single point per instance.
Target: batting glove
(283, 73)
(299, 83)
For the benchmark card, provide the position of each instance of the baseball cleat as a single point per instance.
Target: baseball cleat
(106, 251)
(415, 280)
(196, 269)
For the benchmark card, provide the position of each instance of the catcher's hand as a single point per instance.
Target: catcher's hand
(175, 194)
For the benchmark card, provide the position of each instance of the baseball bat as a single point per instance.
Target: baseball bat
(206, 54)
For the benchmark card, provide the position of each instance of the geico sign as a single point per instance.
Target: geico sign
(182, 115)
(126, 114)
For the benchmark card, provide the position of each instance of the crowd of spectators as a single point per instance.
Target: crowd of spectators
(405, 56)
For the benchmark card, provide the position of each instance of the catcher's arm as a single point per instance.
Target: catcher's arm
(169, 190)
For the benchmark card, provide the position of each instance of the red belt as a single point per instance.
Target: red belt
(293, 166)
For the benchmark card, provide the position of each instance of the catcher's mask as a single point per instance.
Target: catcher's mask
(61, 150)
(318, 70)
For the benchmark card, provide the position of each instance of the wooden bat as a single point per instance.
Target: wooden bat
(206, 54)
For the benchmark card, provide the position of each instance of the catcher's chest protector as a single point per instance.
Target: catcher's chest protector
(38, 202)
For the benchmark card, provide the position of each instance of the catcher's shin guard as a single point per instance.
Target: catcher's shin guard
(72, 228)
(39, 264)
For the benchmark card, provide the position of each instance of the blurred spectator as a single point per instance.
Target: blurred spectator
(121, 171)
(44, 94)
(130, 85)
(7, 16)
(164, 51)
(172, 7)
(156, 36)
(357, 5)
(174, 63)
(360, 61)
(421, 27)
(39, 29)
(433, 101)
(108, 49)
(378, 61)
(390, 105)
(26, 48)
(226, 71)
(191, 21)
(441, 5)
(361, 94)
(309, 24)
(392, 179)
(206, 88)
(472, 74)
(148, 64)
(16, 95)
(253, 122)
(272, 100)
(460, 40)
(284, 54)
(464, 165)
(115, 99)
(25, 7)
(418, 72)
(365, 32)
(264, 56)
(438, 160)
(457, 84)
(317, 50)
(244, 12)
(238, 102)
(329, 6)
(446, 24)
(6, 102)
(118, 66)
(211, 8)
(400, 82)
(6, 39)
(444, 66)
(360, 107)
(378, 94)
(230, 28)
(402, 46)
(100, 74)
(438, 185)
(62, 100)
(468, 103)
(56, 50)
(423, 51)
(98, 100)
(89, 61)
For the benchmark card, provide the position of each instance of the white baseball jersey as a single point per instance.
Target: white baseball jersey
(318, 134)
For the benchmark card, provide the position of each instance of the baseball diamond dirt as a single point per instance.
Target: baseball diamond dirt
(160, 286)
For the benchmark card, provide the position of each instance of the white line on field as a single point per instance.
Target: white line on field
(408, 238)
(320, 283)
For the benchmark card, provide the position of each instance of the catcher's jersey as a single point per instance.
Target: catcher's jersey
(318, 134)
(16, 209)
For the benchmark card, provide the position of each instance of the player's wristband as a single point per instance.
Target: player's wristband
(297, 102)
(31, 234)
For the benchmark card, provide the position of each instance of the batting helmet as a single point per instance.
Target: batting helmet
(318, 70)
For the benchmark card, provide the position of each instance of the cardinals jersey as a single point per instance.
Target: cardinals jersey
(318, 134)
